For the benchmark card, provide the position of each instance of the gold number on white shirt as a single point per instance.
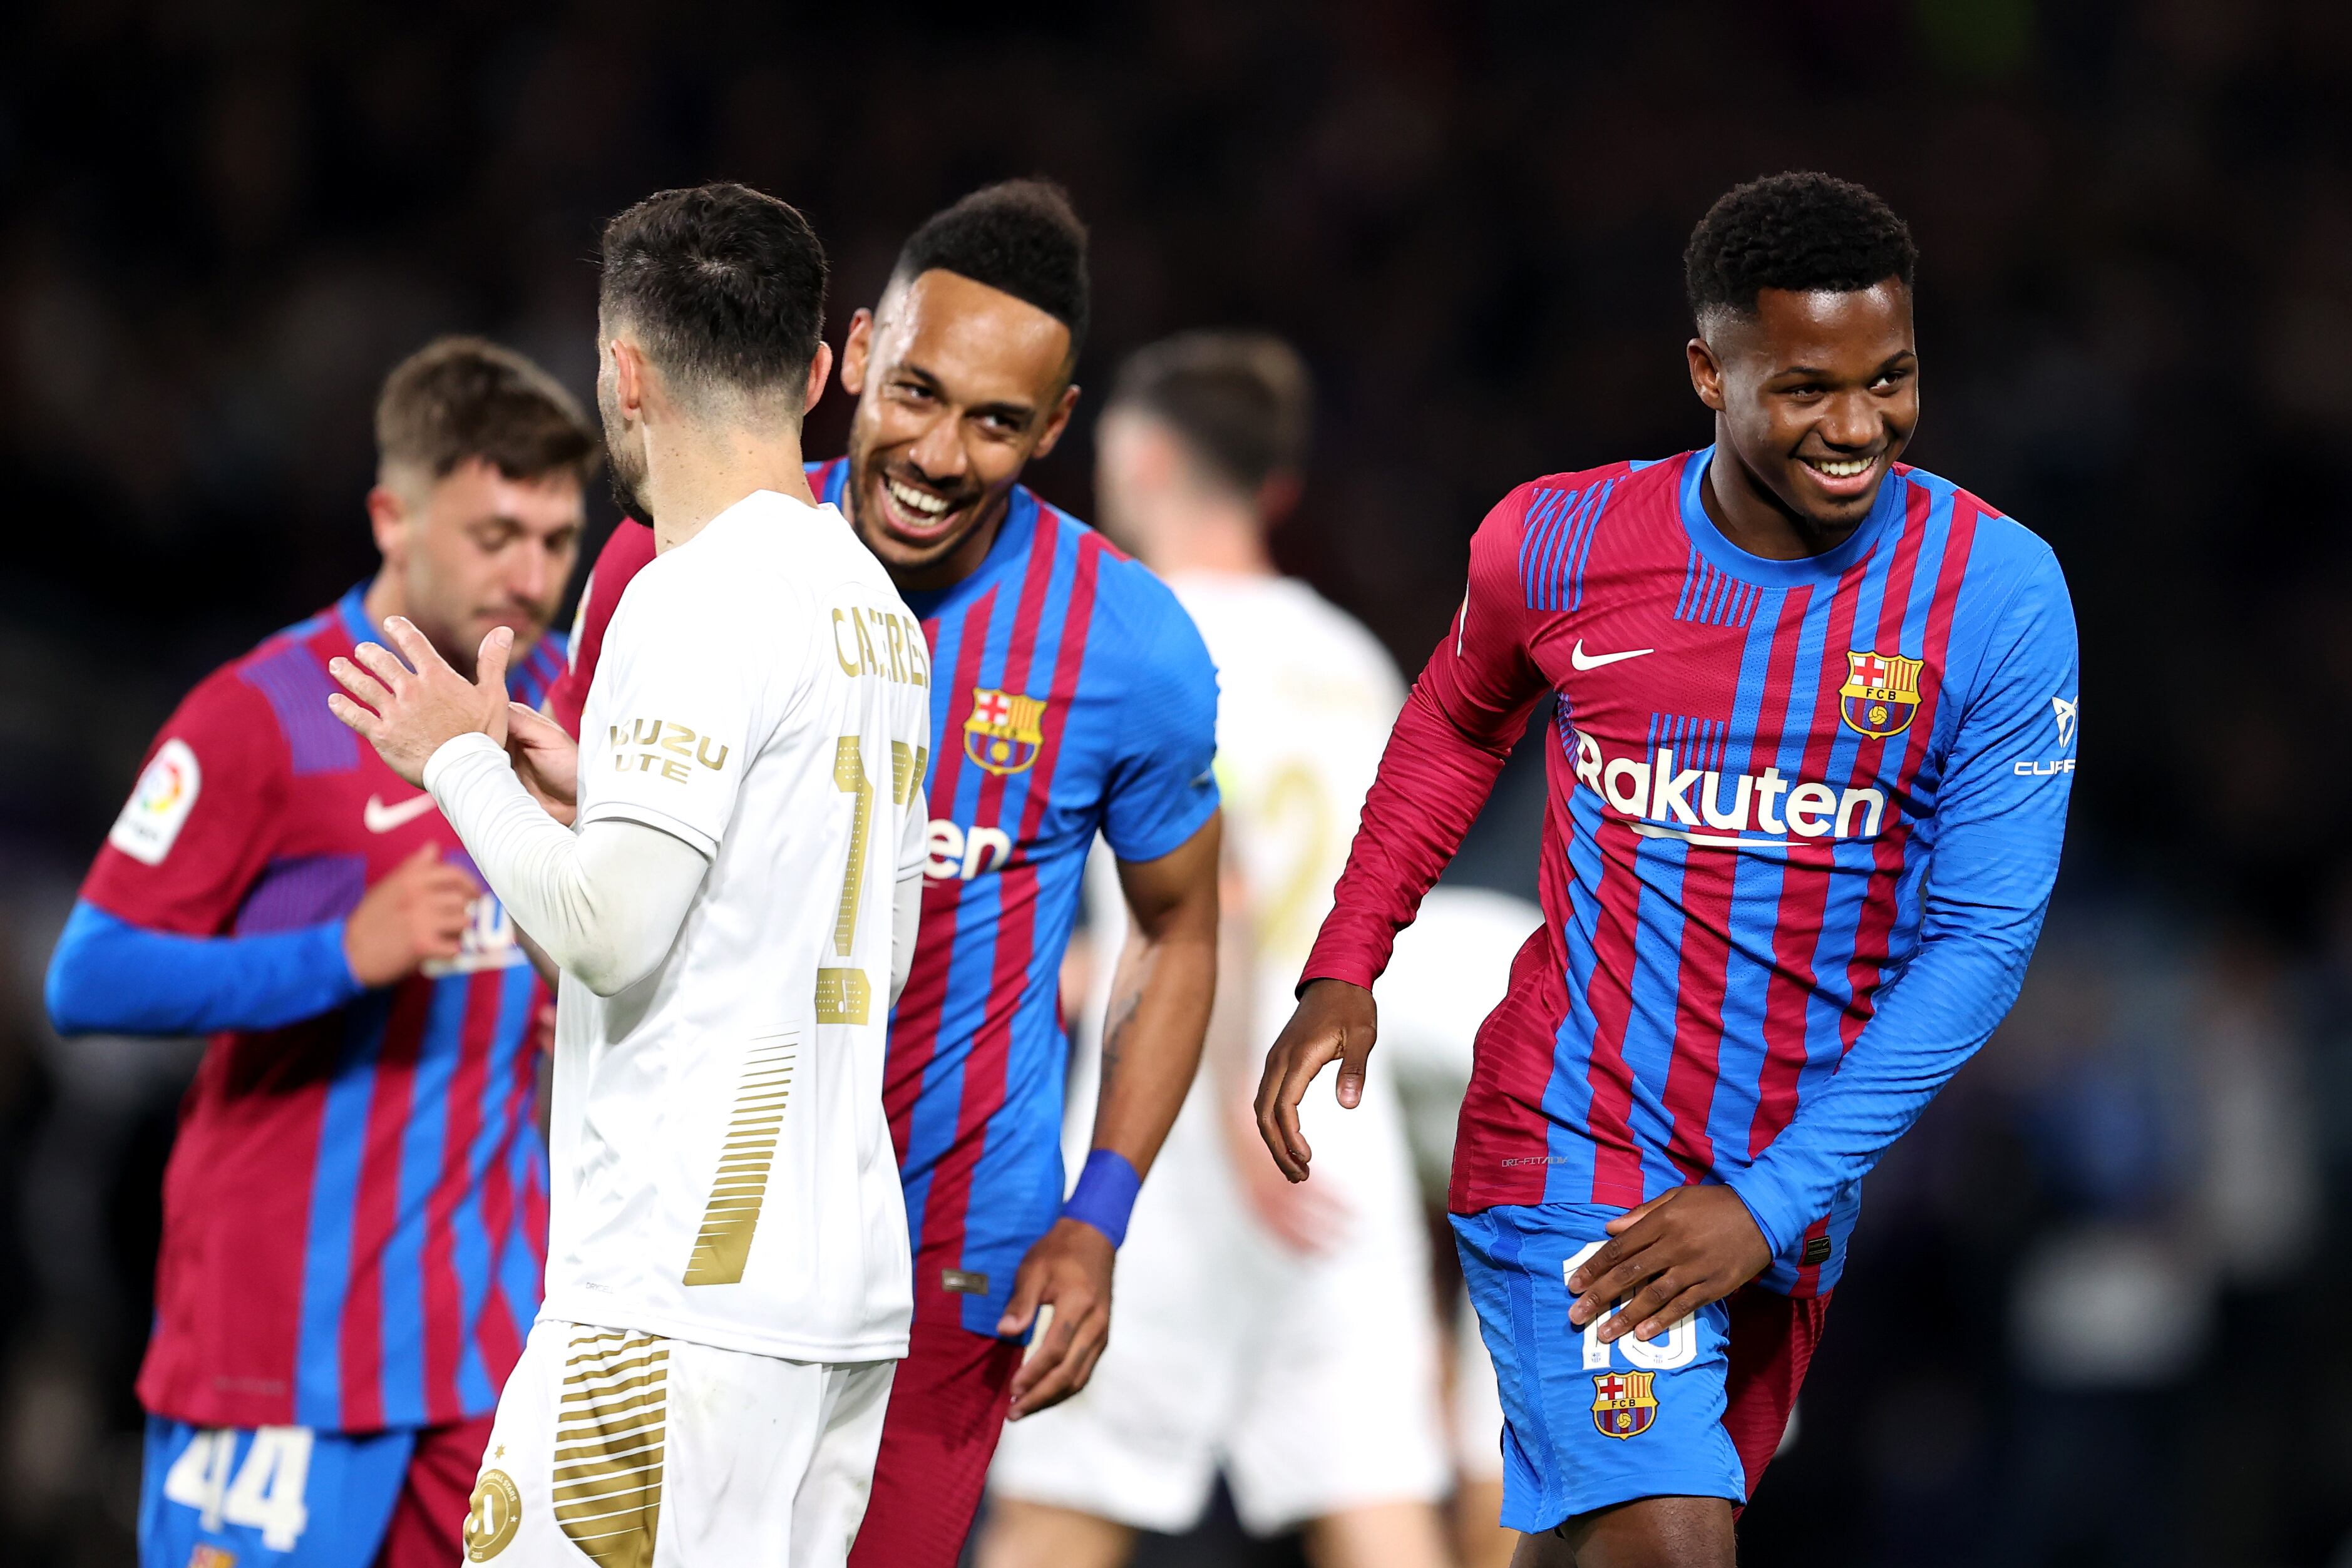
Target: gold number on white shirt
(843, 995)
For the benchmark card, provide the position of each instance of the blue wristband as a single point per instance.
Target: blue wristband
(1104, 1195)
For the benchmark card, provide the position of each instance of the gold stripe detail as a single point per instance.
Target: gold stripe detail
(843, 995)
(849, 777)
(741, 1185)
(610, 1436)
(906, 769)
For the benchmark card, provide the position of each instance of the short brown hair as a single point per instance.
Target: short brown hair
(460, 398)
(1243, 401)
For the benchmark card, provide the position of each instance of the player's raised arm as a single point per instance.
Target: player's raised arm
(1463, 716)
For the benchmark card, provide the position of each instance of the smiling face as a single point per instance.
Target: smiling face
(958, 385)
(1817, 394)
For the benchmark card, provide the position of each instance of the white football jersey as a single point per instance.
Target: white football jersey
(722, 1169)
(1306, 702)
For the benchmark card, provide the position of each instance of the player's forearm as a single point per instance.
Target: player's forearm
(111, 977)
(1152, 1038)
(1948, 1001)
(606, 902)
(1433, 778)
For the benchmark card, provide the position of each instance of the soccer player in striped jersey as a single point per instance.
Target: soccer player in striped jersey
(1807, 780)
(355, 1208)
(1071, 696)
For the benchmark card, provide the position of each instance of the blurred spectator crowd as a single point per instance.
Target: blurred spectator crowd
(2092, 1314)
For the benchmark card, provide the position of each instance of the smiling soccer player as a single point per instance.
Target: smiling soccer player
(1072, 695)
(1808, 783)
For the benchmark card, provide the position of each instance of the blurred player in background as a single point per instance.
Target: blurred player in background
(1814, 740)
(354, 1211)
(1283, 1335)
(727, 1259)
(1071, 696)
(1450, 966)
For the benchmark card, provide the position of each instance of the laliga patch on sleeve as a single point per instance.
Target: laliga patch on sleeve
(159, 806)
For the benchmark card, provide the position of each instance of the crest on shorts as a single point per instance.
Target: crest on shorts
(1881, 693)
(1623, 1405)
(1004, 731)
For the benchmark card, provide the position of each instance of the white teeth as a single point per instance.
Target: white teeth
(915, 500)
(1842, 469)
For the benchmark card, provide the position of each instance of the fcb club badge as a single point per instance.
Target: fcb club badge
(1880, 695)
(1623, 1405)
(1004, 731)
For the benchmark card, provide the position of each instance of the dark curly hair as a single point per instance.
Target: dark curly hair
(1800, 231)
(1021, 237)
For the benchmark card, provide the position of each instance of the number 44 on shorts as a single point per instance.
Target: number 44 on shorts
(266, 1492)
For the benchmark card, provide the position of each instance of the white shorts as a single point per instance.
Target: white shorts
(1311, 1381)
(625, 1450)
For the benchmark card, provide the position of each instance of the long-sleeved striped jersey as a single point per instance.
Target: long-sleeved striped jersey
(355, 1210)
(1803, 820)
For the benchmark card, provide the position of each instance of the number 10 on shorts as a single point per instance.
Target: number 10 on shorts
(1678, 1346)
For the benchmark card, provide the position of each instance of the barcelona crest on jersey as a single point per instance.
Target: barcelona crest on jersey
(1880, 695)
(1004, 731)
(1623, 1405)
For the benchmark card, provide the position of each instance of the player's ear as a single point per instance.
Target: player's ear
(388, 521)
(820, 368)
(1705, 373)
(1057, 421)
(629, 374)
(855, 349)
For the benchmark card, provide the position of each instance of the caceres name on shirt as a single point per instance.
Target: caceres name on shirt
(869, 641)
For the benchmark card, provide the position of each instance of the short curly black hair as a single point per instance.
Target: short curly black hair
(1800, 230)
(1020, 236)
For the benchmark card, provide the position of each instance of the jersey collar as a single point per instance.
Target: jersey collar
(1885, 514)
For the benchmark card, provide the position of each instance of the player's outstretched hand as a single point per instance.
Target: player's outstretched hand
(418, 913)
(546, 759)
(1668, 1259)
(1068, 1270)
(407, 710)
(1335, 1022)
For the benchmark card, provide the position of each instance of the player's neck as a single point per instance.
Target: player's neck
(1750, 516)
(692, 475)
(1210, 541)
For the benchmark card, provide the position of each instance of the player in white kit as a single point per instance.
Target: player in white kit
(1244, 1339)
(727, 873)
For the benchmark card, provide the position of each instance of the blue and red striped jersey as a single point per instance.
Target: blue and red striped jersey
(1803, 820)
(1070, 695)
(355, 1208)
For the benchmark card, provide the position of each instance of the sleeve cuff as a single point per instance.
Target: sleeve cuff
(1769, 1208)
(661, 821)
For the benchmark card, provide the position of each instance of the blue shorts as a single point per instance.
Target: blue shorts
(1588, 1424)
(283, 1497)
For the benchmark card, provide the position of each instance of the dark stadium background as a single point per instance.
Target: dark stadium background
(2096, 1311)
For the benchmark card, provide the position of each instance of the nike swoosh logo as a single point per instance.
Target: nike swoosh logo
(1584, 661)
(382, 819)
